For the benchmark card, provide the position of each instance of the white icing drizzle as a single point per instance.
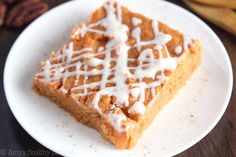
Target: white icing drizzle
(158, 47)
(178, 49)
(137, 107)
(94, 62)
(100, 49)
(136, 33)
(135, 92)
(148, 65)
(117, 120)
(136, 21)
(154, 64)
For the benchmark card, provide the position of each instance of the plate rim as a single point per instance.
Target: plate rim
(177, 151)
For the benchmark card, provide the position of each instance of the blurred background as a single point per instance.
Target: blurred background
(220, 15)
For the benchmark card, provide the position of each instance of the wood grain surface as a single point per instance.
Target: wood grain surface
(221, 16)
(221, 142)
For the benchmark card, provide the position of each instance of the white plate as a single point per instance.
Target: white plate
(189, 117)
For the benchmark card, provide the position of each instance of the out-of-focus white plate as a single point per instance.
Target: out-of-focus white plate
(189, 117)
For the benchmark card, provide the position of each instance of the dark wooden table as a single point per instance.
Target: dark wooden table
(220, 142)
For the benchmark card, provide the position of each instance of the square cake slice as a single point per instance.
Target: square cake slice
(118, 71)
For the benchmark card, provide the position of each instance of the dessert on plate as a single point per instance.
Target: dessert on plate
(118, 71)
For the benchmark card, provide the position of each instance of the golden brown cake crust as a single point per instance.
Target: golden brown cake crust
(70, 83)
